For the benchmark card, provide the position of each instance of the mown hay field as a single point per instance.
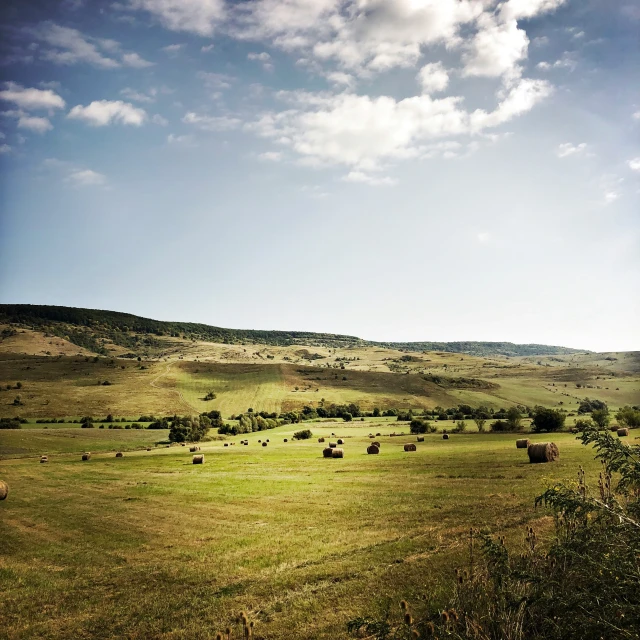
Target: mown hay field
(152, 546)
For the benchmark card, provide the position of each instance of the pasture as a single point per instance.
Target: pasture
(152, 546)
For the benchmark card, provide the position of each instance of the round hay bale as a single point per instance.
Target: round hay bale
(267, 439)
(119, 454)
(340, 441)
(337, 453)
(259, 440)
(320, 439)
(375, 443)
(333, 434)
(286, 440)
(264, 444)
(373, 449)
(193, 449)
(371, 435)
(445, 436)
(410, 447)
(378, 435)
(542, 452)
(333, 445)
(199, 459)
(44, 459)
(226, 444)
(326, 452)
(86, 456)
(613, 429)
(245, 443)
(4, 490)
(523, 443)
(182, 444)
(420, 439)
(623, 432)
(148, 448)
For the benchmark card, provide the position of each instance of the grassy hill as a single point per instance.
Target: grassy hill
(95, 329)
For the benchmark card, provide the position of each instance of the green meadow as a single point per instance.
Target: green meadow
(152, 546)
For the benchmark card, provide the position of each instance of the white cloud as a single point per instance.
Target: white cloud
(70, 46)
(173, 49)
(215, 80)
(433, 77)
(86, 177)
(365, 178)
(103, 112)
(271, 156)
(159, 120)
(634, 164)
(568, 149)
(567, 61)
(137, 96)
(483, 237)
(365, 132)
(35, 124)
(636, 115)
(29, 98)
(4, 148)
(340, 78)
(211, 123)
(516, 9)
(195, 16)
(207, 48)
(185, 140)
(135, 61)
(263, 57)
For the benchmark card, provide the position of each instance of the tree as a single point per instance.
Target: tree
(547, 419)
(601, 417)
(418, 426)
(514, 419)
(629, 417)
(480, 421)
(347, 417)
(376, 412)
(305, 434)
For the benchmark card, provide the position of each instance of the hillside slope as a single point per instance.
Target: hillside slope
(93, 329)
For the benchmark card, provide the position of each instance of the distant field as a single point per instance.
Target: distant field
(151, 546)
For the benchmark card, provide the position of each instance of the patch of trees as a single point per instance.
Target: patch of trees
(305, 434)
(421, 426)
(11, 423)
(587, 405)
(547, 419)
(189, 428)
(629, 417)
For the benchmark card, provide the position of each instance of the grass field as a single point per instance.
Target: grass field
(151, 546)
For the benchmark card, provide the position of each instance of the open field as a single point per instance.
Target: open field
(151, 546)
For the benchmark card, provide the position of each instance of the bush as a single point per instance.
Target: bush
(547, 419)
(421, 426)
(347, 417)
(189, 428)
(601, 417)
(461, 425)
(500, 426)
(587, 405)
(629, 417)
(87, 425)
(305, 434)
(10, 423)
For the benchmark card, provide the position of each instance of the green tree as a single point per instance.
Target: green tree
(514, 419)
(601, 417)
(547, 419)
(629, 417)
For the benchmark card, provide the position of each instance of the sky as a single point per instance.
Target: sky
(399, 170)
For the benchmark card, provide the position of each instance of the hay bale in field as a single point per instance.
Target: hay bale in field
(286, 440)
(86, 456)
(445, 436)
(337, 453)
(340, 441)
(333, 445)
(320, 439)
(226, 444)
(148, 448)
(420, 439)
(193, 449)
(542, 452)
(623, 432)
(199, 459)
(119, 454)
(375, 443)
(371, 435)
(522, 443)
(264, 444)
(326, 452)
(378, 435)
(259, 440)
(373, 449)
(182, 444)
(410, 447)
(4, 489)
(333, 434)
(245, 443)
(267, 439)
(44, 459)
(613, 429)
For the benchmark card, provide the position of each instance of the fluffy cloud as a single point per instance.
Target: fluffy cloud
(4, 148)
(365, 132)
(211, 123)
(196, 16)
(433, 77)
(29, 98)
(215, 80)
(86, 177)
(365, 178)
(69, 46)
(567, 149)
(634, 164)
(137, 96)
(567, 61)
(103, 112)
(35, 124)
(271, 156)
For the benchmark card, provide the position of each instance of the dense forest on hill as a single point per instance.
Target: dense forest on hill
(91, 328)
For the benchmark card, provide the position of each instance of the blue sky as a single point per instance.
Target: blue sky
(392, 169)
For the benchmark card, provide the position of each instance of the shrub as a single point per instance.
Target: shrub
(501, 425)
(10, 423)
(87, 425)
(629, 417)
(547, 419)
(347, 417)
(305, 434)
(601, 417)
(461, 425)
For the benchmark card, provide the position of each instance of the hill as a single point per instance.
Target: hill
(94, 329)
